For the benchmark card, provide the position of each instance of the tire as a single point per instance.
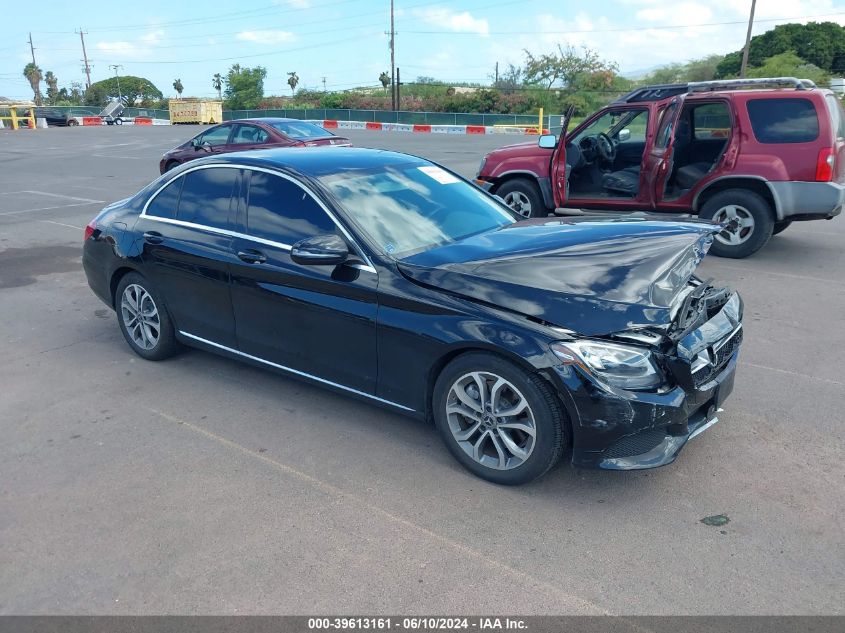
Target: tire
(533, 456)
(781, 226)
(118, 121)
(170, 165)
(156, 341)
(524, 197)
(753, 215)
(72, 123)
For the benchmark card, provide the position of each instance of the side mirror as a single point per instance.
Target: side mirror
(624, 135)
(325, 250)
(547, 141)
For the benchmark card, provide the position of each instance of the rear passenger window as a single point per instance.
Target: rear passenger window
(281, 211)
(783, 120)
(206, 197)
(837, 116)
(165, 203)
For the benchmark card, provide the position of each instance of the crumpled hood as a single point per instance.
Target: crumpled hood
(592, 277)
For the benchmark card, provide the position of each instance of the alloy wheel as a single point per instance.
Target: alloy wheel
(491, 420)
(140, 316)
(519, 202)
(740, 224)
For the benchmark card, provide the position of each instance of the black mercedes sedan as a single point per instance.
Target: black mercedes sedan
(392, 279)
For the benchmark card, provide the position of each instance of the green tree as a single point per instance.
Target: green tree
(52, 87)
(819, 43)
(564, 66)
(384, 78)
(244, 87)
(788, 64)
(293, 79)
(132, 90)
(703, 69)
(178, 87)
(34, 76)
(217, 84)
(510, 80)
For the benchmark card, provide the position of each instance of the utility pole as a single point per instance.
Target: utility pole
(744, 66)
(85, 59)
(324, 84)
(32, 50)
(392, 59)
(496, 83)
(398, 95)
(116, 66)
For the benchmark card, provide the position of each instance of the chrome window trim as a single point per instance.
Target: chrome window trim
(366, 266)
(295, 371)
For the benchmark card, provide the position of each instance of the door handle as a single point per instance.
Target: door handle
(252, 257)
(153, 237)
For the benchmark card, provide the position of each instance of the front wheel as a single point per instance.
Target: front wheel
(500, 422)
(143, 318)
(524, 197)
(747, 218)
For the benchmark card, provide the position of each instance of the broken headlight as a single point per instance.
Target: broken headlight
(615, 365)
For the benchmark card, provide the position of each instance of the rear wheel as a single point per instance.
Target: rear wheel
(747, 218)
(524, 197)
(781, 226)
(500, 422)
(170, 165)
(72, 122)
(143, 318)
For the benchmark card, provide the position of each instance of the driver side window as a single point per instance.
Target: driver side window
(216, 136)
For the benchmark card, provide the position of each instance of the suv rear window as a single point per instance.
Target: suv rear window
(837, 116)
(788, 120)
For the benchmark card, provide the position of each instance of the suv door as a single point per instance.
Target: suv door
(317, 320)
(658, 160)
(187, 250)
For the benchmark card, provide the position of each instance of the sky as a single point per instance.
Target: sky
(344, 42)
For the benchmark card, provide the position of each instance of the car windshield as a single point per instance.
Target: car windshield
(410, 208)
(299, 129)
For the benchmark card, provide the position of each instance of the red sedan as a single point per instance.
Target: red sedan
(246, 134)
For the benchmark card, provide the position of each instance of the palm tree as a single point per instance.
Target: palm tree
(217, 84)
(52, 87)
(34, 77)
(178, 87)
(384, 78)
(293, 79)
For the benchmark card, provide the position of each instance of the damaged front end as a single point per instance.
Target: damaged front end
(682, 374)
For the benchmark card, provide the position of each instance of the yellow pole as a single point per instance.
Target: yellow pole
(540, 127)
(13, 111)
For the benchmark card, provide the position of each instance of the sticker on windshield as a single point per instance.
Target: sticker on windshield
(440, 175)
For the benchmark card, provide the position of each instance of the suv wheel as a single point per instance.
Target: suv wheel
(500, 422)
(748, 218)
(523, 196)
(143, 318)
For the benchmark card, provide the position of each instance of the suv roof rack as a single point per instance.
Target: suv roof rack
(729, 84)
(653, 93)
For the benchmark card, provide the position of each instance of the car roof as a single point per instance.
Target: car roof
(315, 161)
(269, 119)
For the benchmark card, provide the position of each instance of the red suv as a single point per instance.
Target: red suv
(748, 153)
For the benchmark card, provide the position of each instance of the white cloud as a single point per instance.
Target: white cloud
(463, 22)
(141, 48)
(266, 36)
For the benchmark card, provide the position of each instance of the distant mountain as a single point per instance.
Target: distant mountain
(641, 73)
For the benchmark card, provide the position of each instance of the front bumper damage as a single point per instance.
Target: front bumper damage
(628, 430)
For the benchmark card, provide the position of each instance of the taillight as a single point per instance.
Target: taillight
(89, 230)
(824, 166)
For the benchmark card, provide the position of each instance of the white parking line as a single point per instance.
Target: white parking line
(70, 226)
(61, 206)
(794, 373)
(52, 195)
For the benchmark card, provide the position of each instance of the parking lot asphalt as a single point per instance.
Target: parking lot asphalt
(200, 485)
